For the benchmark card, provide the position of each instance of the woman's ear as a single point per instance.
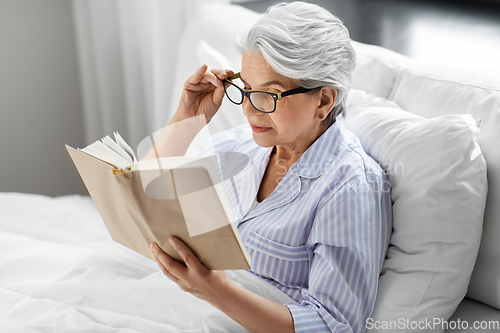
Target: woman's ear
(327, 100)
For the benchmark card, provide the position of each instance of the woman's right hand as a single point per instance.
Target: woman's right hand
(202, 94)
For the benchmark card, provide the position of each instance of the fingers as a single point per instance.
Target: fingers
(214, 76)
(165, 270)
(198, 75)
(203, 92)
(187, 255)
(222, 74)
(170, 267)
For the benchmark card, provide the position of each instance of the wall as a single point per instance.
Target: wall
(40, 102)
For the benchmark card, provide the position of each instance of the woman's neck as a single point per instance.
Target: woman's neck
(289, 154)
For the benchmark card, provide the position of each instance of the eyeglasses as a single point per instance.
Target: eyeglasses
(263, 101)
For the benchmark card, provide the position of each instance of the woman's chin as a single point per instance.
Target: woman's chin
(261, 141)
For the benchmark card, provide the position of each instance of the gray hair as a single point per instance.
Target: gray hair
(306, 43)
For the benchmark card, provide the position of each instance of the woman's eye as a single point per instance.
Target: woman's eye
(247, 88)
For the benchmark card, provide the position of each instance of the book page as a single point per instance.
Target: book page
(116, 148)
(121, 142)
(116, 153)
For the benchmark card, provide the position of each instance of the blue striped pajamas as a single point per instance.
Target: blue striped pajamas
(321, 236)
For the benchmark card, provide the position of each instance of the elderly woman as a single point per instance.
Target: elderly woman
(320, 222)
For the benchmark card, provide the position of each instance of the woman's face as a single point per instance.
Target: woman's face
(295, 122)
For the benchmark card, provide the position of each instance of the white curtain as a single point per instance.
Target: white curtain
(127, 52)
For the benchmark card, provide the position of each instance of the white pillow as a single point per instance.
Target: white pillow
(439, 90)
(438, 177)
(377, 68)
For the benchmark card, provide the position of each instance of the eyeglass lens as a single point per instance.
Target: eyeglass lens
(234, 94)
(261, 101)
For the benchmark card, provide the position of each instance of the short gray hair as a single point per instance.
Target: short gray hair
(306, 43)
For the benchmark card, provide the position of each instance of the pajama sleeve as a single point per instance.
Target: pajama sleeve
(347, 246)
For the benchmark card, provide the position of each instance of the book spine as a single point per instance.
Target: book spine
(119, 171)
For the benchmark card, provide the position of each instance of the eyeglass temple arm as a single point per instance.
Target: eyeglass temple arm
(235, 76)
(297, 90)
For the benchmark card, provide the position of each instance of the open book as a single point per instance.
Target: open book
(145, 201)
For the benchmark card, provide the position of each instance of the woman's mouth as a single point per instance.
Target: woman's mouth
(259, 129)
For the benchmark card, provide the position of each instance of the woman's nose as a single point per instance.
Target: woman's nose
(248, 109)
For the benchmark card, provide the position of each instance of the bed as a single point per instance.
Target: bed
(61, 272)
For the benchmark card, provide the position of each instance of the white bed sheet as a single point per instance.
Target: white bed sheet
(61, 272)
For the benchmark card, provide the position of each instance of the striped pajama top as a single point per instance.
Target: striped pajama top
(321, 236)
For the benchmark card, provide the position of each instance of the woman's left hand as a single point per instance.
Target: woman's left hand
(193, 277)
(254, 312)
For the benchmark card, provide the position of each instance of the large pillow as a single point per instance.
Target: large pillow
(440, 90)
(439, 187)
(377, 68)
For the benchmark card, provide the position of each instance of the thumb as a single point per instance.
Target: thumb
(218, 95)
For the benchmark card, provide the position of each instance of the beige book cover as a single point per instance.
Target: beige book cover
(135, 219)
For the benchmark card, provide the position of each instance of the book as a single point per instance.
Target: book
(148, 201)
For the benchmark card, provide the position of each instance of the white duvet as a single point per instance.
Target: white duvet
(61, 272)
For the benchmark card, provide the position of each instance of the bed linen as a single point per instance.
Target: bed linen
(60, 271)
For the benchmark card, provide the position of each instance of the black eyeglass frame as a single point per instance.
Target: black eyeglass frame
(274, 95)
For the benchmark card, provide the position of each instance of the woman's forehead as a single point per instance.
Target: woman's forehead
(256, 70)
